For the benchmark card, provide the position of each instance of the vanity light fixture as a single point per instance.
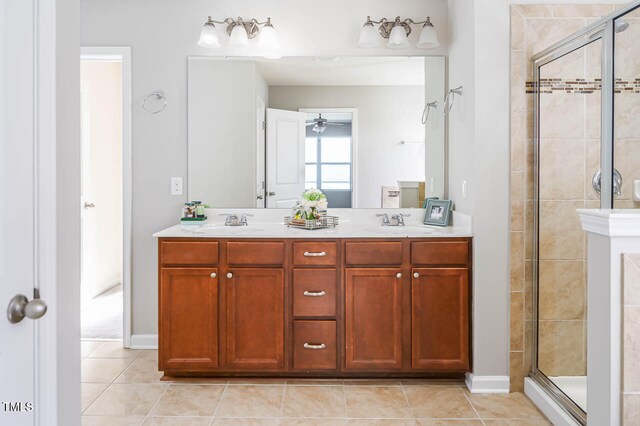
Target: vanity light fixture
(397, 32)
(240, 32)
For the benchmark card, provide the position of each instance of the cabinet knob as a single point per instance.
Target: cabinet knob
(416, 275)
(229, 275)
(213, 275)
(399, 275)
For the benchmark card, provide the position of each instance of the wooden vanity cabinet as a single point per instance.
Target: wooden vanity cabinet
(255, 318)
(327, 308)
(188, 319)
(373, 319)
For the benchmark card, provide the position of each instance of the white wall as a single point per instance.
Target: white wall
(386, 115)
(479, 153)
(162, 35)
(102, 178)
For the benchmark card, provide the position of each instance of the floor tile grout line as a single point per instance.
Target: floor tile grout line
(284, 395)
(156, 404)
(413, 416)
(346, 406)
(475, 410)
(96, 398)
(215, 412)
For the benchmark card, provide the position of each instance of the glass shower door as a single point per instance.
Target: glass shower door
(567, 155)
(626, 96)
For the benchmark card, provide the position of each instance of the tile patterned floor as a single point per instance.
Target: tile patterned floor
(122, 387)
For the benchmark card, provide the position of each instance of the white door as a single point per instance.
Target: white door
(285, 157)
(260, 152)
(23, 167)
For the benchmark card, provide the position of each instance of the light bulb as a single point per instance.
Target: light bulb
(209, 36)
(238, 37)
(398, 38)
(428, 36)
(268, 38)
(369, 37)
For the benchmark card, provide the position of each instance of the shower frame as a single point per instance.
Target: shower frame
(604, 30)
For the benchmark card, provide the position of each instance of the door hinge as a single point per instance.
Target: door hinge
(264, 125)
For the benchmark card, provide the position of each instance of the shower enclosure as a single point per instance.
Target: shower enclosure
(586, 154)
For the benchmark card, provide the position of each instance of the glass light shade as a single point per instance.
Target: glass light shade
(209, 36)
(238, 37)
(268, 38)
(369, 36)
(428, 38)
(398, 38)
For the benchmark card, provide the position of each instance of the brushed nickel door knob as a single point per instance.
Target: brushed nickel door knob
(213, 275)
(229, 275)
(399, 275)
(416, 275)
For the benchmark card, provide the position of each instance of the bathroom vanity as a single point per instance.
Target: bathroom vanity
(267, 300)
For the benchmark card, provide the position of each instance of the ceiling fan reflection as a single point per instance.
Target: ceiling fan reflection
(320, 124)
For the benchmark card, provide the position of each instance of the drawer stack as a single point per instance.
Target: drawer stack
(315, 278)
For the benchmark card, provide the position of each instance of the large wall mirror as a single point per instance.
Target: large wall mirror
(261, 131)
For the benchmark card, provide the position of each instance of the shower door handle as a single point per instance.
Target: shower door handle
(596, 181)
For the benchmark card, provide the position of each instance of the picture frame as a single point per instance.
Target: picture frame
(438, 212)
(426, 200)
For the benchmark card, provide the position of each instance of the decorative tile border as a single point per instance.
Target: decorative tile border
(582, 85)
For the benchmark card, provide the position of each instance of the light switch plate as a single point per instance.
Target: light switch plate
(176, 186)
(636, 191)
(464, 189)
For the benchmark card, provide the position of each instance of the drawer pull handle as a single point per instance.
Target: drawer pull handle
(312, 254)
(314, 346)
(314, 293)
(213, 275)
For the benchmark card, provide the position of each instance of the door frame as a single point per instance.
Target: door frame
(123, 54)
(354, 145)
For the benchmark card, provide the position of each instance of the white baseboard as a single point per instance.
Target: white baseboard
(487, 384)
(548, 406)
(144, 341)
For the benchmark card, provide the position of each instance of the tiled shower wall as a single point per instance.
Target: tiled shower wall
(569, 140)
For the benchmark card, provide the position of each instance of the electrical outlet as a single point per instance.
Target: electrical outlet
(464, 189)
(176, 186)
(433, 185)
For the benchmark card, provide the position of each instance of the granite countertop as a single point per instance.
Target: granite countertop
(354, 223)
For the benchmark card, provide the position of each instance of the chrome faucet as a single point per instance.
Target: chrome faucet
(398, 219)
(385, 219)
(232, 219)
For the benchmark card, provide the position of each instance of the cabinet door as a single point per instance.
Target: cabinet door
(440, 319)
(373, 319)
(255, 318)
(188, 319)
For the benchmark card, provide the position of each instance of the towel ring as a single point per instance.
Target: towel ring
(427, 110)
(451, 96)
(159, 95)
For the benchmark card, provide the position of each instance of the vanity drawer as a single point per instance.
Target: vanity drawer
(314, 345)
(315, 253)
(373, 253)
(255, 253)
(440, 253)
(189, 252)
(314, 292)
